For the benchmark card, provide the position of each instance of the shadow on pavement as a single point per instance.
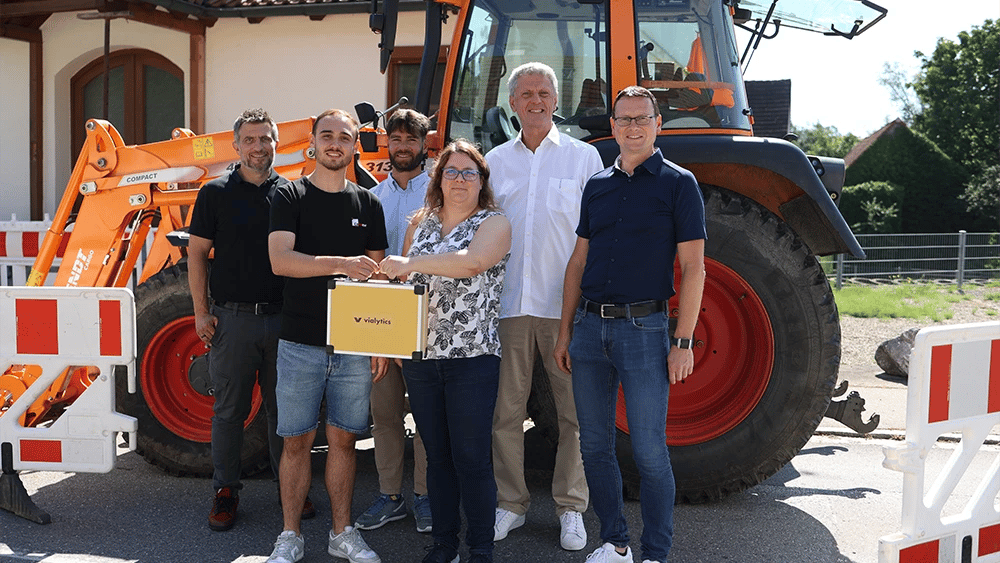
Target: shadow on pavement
(139, 513)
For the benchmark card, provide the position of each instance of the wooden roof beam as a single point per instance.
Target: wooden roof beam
(20, 33)
(42, 7)
(170, 20)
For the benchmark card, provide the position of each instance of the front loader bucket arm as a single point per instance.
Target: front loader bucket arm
(102, 140)
(119, 192)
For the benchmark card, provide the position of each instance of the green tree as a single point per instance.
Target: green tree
(820, 140)
(872, 207)
(959, 90)
(982, 199)
(900, 91)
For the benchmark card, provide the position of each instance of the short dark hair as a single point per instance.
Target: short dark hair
(636, 92)
(337, 113)
(409, 121)
(255, 115)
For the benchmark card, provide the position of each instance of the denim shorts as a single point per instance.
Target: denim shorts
(308, 373)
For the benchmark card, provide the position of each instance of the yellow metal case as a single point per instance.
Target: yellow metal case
(377, 318)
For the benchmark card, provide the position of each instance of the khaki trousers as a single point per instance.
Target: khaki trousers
(521, 339)
(389, 407)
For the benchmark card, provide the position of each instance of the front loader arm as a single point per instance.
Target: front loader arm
(117, 192)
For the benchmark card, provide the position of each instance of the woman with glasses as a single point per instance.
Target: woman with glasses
(457, 245)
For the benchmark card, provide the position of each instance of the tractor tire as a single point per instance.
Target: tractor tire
(766, 357)
(173, 402)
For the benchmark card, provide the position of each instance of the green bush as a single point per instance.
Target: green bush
(982, 200)
(872, 207)
(930, 182)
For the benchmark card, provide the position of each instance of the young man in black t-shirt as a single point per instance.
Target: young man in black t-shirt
(322, 225)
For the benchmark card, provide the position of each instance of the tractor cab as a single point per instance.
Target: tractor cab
(684, 51)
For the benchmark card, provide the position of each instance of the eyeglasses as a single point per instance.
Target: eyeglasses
(467, 175)
(641, 120)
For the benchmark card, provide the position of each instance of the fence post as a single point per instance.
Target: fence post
(840, 271)
(961, 258)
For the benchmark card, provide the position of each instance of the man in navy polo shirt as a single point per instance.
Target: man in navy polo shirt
(614, 327)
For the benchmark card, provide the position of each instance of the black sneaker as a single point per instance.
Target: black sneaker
(385, 509)
(223, 515)
(438, 553)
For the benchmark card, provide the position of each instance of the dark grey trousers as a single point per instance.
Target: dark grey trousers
(244, 350)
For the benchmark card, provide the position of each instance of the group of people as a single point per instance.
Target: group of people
(492, 237)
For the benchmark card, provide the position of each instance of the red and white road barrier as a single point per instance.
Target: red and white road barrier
(20, 242)
(953, 387)
(55, 328)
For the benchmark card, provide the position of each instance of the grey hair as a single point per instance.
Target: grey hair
(541, 69)
(256, 115)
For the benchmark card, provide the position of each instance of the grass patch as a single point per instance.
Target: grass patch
(992, 297)
(909, 301)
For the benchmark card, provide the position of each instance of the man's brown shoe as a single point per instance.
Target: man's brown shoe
(308, 510)
(223, 514)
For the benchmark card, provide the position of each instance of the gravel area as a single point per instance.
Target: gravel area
(860, 337)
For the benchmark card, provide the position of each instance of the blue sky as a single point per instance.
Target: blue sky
(835, 81)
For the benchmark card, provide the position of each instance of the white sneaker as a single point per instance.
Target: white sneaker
(607, 554)
(288, 549)
(351, 546)
(572, 536)
(649, 561)
(505, 522)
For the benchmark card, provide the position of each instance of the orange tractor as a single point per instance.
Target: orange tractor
(768, 338)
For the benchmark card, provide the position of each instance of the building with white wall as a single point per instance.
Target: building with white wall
(174, 63)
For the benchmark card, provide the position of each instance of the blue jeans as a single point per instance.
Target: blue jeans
(307, 374)
(452, 402)
(632, 351)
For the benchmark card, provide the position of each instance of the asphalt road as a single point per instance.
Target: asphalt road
(830, 504)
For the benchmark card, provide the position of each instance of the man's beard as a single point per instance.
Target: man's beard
(251, 163)
(414, 163)
(335, 164)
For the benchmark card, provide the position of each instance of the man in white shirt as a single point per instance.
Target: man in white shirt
(401, 193)
(538, 178)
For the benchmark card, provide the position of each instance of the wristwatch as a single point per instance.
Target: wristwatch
(683, 343)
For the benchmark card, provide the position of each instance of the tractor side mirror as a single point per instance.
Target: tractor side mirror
(366, 113)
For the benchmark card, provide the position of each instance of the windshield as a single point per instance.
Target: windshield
(567, 36)
(687, 58)
(832, 17)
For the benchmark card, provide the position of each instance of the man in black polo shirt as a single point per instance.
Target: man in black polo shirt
(240, 322)
(614, 320)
